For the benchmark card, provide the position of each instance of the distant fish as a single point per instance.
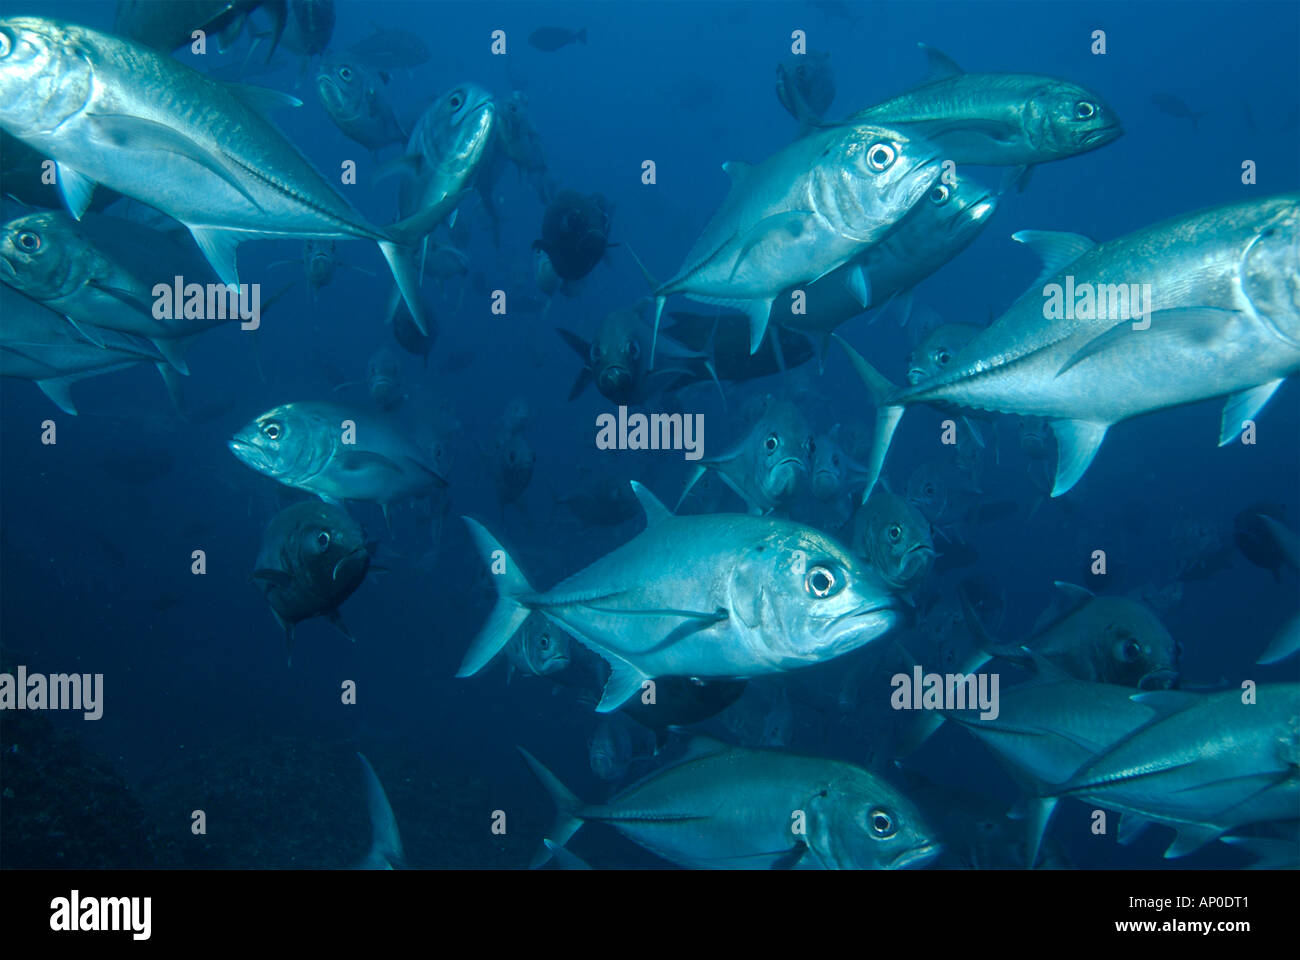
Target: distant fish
(551, 39)
(391, 50)
(1264, 540)
(1168, 103)
(805, 85)
(315, 21)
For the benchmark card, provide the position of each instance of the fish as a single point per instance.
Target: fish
(551, 39)
(805, 85)
(616, 744)
(301, 445)
(313, 557)
(522, 145)
(1035, 438)
(680, 702)
(723, 807)
(883, 277)
(768, 467)
(601, 501)
(539, 649)
(38, 344)
(1211, 763)
(1265, 540)
(315, 22)
(1107, 639)
(795, 217)
(575, 233)
(998, 119)
(741, 597)
(205, 155)
(511, 460)
(444, 155)
(356, 99)
(834, 472)
(383, 379)
(932, 356)
(895, 538)
(616, 360)
(385, 851)
(1225, 320)
(390, 49)
(1174, 107)
(167, 26)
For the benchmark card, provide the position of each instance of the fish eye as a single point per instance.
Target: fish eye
(882, 824)
(6, 43)
(881, 157)
(929, 489)
(1083, 110)
(770, 443)
(345, 74)
(29, 241)
(821, 582)
(323, 539)
(895, 532)
(632, 349)
(272, 429)
(544, 641)
(939, 194)
(457, 100)
(1130, 650)
(941, 357)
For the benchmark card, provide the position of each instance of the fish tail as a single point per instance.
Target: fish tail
(508, 615)
(400, 250)
(402, 261)
(887, 416)
(567, 805)
(386, 842)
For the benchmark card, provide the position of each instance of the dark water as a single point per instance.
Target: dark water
(201, 711)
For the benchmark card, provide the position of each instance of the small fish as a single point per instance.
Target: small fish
(575, 233)
(616, 744)
(895, 538)
(313, 557)
(539, 649)
(356, 99)
(391, 49)
(805, 85)
(932, 356)
(1174, 107)
(551, 39)
(1263, 538)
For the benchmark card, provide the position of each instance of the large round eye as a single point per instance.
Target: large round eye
(29, 240)
(821, 582)
(1130, 650)
(323, 540)
(345, 74)
(941, 357)
(895, 532)
(1083, 110)
(272, 429)
(6, 43)
(770, 443)
(939, 195)
(881, 157)
(544, 641)
(632, 349)
(929, 489)
(457, 100)
(882, 823)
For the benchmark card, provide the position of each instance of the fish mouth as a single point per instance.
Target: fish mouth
(1162, 679)
(915, 856)
(249, 455)
(1103, 135)
(915, 375)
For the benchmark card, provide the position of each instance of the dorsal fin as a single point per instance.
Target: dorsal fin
(738, 170)
(655, 511)
(942, 66)
(1056, 249)
(1078, 595)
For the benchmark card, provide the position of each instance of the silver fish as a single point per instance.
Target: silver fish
(713, 596)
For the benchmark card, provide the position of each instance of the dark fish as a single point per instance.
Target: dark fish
(167, 26)
(315, 19)
(1258, 539)
(551, 39)
(805, 85)
(617, 360)
(681, 701)
(313, 557)
(354, 95)
(1168, 103)
(575, 232)
(391, 50)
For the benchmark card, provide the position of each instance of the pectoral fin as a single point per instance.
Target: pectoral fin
(623, 683)
(1165, 331)
(790, 224)
(137, 133)
(1244, 406)
(218, 246)
(1077, 442)
(77, 189)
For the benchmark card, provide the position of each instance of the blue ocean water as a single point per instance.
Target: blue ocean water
(201, 711)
